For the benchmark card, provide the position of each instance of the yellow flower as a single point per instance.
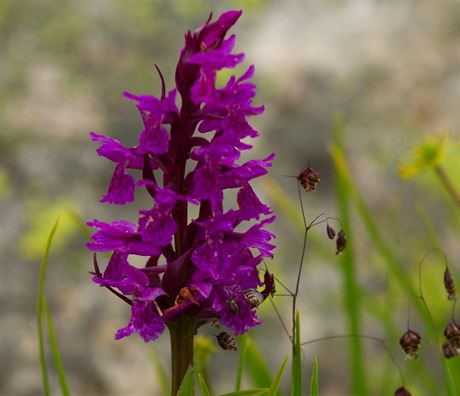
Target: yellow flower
(428, 154)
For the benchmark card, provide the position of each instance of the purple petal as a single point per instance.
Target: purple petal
(145, 321)
(121, 189)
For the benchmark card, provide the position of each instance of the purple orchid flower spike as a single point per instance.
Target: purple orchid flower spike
(193, 268)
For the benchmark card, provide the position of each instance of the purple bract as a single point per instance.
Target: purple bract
(188, 156)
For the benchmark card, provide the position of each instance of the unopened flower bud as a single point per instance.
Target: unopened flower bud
(226, 341)
(341, 242)
(402, 391)
(449, 350)
(309, 179)
(449, 285)
(410, 343)
(452, 333)
(330, 232)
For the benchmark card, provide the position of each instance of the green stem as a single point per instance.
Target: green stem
(453, 192)
(181, 333)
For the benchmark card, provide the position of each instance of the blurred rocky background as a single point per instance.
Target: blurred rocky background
(389, 69)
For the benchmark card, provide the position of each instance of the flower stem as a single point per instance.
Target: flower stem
(453, 192)
(181, 333)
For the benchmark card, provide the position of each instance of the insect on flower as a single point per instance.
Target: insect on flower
(226, 341)
(309, 179)
(233, 306)
(254, 297)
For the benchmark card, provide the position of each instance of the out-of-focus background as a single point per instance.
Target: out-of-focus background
(379, 76)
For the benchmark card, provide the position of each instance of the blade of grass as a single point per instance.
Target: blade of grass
(204, 388)
(55, 349)
(242, 342)
(40, 303)
(276, 381)
(351, 296)
(187, 386)
(161, 374)
(314, 379)
(297, 360)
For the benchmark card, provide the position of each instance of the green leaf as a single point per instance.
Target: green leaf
(248, 392)
(297, 360)
(257, 367)
(187, 386)
(242, 343)
(204, 388)
(55, 349)
(314, 379)
(276, 381)
(40, 308)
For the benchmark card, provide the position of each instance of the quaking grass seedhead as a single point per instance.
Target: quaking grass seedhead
(402, 391)
(309, 179)
(452, 333)
(449, 350)
(449, 285)
(410, 343)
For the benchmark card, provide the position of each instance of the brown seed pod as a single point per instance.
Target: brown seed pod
(330, 231)
(402, 391)
(226, 341)
(452, 333)
(254, 297)
(449, 285)
(341, 242)
(410, 343)
(309, 179)
(449, 350)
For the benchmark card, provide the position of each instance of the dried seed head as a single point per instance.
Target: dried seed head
(330, 231)
(449, 285)
(226, 341)
(254, 297)
(233, 306)
(402, 391)
(449, 350)
(410, 343)
(452, 333)
(341, 242)
(309, 179)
